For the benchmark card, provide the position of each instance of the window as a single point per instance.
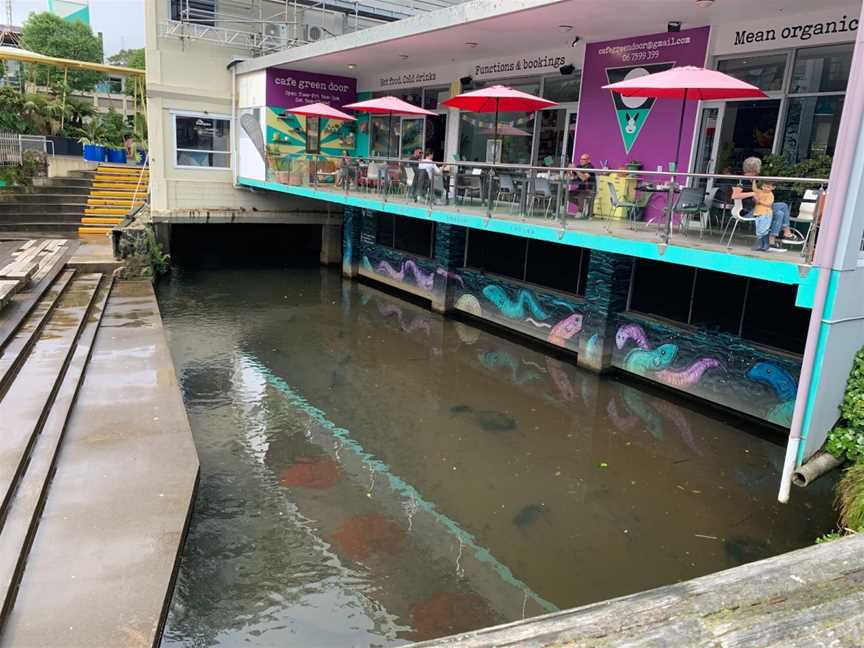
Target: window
(811, 126)
(821, 69)
(201, 12)
(202, 141)
(313, 135)
(765, 72)
(662, 289)
(381, 126)
(550, 265)
(115, 85)
(760, 311)
(562, 88)
(433, 98)
(412, 235)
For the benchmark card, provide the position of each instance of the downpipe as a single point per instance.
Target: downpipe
(819, 464)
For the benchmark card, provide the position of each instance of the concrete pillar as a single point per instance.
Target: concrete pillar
(449, 257)
(606, 296)
(331, 244)
(352, 221)
(162, 231)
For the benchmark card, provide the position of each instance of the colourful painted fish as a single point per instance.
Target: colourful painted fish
(565, 330)
(632, 332)
(514, 309)
(783, 384)
(641, 361)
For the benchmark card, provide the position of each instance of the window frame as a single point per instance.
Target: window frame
(204, 115)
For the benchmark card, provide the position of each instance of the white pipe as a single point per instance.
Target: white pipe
(826, 252)
(819, 464)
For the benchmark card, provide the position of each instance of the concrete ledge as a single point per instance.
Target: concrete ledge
(102, 564)
(246, 217)
(810, 597)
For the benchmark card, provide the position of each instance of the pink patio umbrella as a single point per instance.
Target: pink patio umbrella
(686, 83)
(388, 106)
(497, 99)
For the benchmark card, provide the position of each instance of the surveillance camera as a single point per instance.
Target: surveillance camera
(576, 39)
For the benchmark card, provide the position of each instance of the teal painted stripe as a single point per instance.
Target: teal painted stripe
(396, 483)
(753, 267)
(818, 361)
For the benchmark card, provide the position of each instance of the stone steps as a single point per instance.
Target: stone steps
(21, 516)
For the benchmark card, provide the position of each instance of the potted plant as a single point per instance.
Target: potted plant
(114, 129)
(284, 172)
(91, 136)
(634, 165)
(273, 155)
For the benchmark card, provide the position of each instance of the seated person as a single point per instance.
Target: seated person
(779, 224)
(428, 168)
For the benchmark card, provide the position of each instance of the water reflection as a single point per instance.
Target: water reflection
(373, 473)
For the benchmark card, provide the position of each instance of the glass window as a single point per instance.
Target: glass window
(562, 88)
(202, 141)
(313, 135)
(765, 72)
(811, 127)
(662, 289)
(556, 266)
(115, 85)
(412, 136)
(499, 254)
(821, 69)
(380, 126)
(515, 134)
(433, 98)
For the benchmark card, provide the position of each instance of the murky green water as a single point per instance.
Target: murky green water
(373, 474)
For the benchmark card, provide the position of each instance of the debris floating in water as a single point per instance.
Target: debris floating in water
(311, 472)
(361, 536)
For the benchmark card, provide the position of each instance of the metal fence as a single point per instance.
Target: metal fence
(13, 145)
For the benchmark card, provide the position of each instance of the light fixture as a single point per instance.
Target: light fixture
(565, 28)
(403, 56)
(673, 26)
(568, 69)
(471, 44)
(351, 66)
(704, 4)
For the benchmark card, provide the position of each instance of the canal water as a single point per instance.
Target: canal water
(374, 474)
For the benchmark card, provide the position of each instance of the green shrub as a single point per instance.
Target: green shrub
(847, 438)
(850, 497)
(142, 254)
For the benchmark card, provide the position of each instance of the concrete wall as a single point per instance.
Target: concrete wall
(61, 165)
(193, 76)
(720, 368)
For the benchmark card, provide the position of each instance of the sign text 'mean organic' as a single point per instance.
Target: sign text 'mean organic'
(796, 32)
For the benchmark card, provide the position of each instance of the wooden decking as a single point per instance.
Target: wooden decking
(811, 597)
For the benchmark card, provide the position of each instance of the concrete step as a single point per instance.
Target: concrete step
(19, 345)
(94, 230)
(22, 517)
(119, 186)
(123, 168)
(128, 203)
(100, 220)
(28, 401)
(39, 217)
(43, 198)
(62, 182)
(43, 228)
(114, 193)
(106, 211)
(41, 208)
(69, 190)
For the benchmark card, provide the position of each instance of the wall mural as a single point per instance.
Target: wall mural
(718, 367)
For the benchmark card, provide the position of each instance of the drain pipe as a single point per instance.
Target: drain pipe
(819, 464)
(235, 130)
(849, 144)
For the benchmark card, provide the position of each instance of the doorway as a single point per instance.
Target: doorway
(436, 135)
(740, 129)
(551, 137)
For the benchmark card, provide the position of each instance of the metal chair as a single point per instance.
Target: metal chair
(543, 193)
(506, 189)
(806, 217)
(469, 186)
(630, 208)
(435, 187)
(736, 217)
(691, 202)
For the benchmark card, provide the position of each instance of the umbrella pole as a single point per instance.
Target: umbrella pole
(670, 215)
(494, 160)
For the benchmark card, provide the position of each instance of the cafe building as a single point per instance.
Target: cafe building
(719, 323)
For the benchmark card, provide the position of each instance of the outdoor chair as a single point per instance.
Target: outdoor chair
(506, 190)
(736, 216)
(469, 186)
(408, 176)
(691, 202)
(436, 188)
(805, 220)
(631, 209)
(543, 193)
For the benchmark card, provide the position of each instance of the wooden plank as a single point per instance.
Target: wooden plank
(810, 597)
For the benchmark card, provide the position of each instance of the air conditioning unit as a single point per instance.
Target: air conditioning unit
(276, 35)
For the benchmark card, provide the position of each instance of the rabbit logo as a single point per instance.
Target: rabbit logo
(632, 113)
(631, 119)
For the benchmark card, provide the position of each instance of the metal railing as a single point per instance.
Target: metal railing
(13, 145)
(625, 202)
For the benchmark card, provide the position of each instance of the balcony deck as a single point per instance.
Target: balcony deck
(644, 240)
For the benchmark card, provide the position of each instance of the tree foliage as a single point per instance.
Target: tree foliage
(133, 58)
(49, 34)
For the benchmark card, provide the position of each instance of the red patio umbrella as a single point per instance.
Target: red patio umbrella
(321, 110)
(497, 99)
(686, 83)
(388, 106)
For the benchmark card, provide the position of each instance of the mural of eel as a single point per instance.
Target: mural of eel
(518, 376)
(515, 309)
(687, 377)
(783, 384)
(641, 361)
(423, 279)
(632, 332)
(564, 330)
(419, 322)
